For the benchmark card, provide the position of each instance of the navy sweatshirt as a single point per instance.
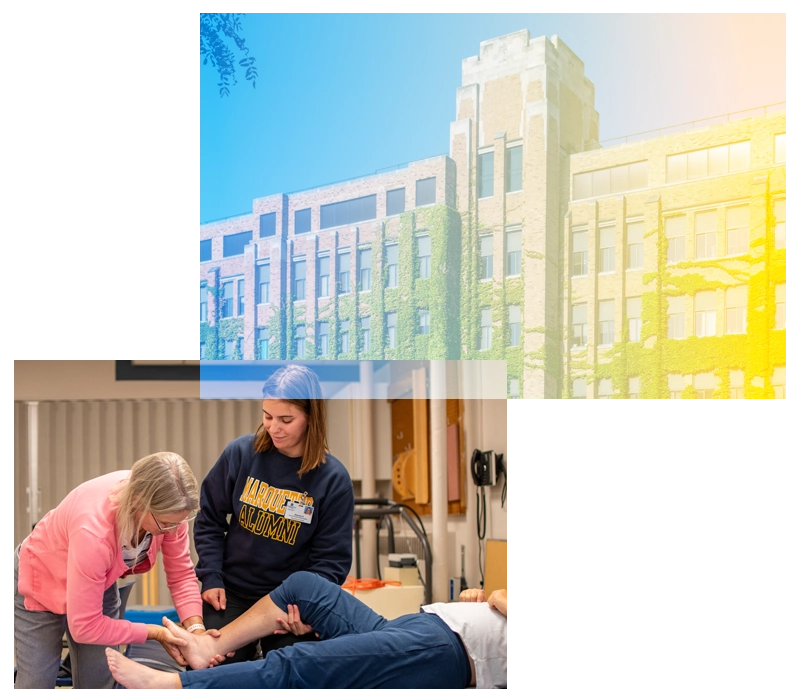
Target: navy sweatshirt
(259, 548)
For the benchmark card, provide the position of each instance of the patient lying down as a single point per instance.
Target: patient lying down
(448, 645)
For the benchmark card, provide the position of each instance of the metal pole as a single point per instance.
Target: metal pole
(364, 415)
(438, 431)
(33, 463)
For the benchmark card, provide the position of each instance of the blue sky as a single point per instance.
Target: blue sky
(340, 96)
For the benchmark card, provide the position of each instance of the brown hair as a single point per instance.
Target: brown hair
(299, 386)
(162, 484)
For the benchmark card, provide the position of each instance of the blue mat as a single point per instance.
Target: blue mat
(150, 614)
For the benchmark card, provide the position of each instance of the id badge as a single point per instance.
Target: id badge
(297, 511)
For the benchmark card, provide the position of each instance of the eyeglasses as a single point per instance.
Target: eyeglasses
(172, 526)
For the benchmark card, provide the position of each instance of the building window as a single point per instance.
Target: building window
(262, 341)
(424, 322)
(300, 341)
(365, 334)
(580, 328)
(513, 388)
(266, 225)
(604, 389)
(391, 329)
(227, 310)
(205, 250)
(485, 174)
(365, 270)
(737, 223)
(676, 317)
(676, 384)
(675, 229)
(779, 382)
(487, 242)
(344, 271)
(600, 183)
(605, 262)
(228, 350)
(349, 212)
(262, 284)
(323, 329)
(705, 235)
(391, 265)
(202, 351)
(299, 279)
(513, 253)
(579, 388)
(324, 276)
(396, 201)
(605, 318)
(736, 309)
(232, 298)
(514, 325)
(486, 329)
(514, 169)
(635, 245)
(780, 307)
(707, 162)
(633, 387)
(302, 221)
(705, 384)
(424, 256)
(203, 303)
(779, 210)
(426, 191)
(633, 309)
(344, 336)
(580, 253)
(780, 148)
(737, 383)
(235, 243)
(705, 313)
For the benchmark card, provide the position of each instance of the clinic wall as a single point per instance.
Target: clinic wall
(485, 425)
(43, 380)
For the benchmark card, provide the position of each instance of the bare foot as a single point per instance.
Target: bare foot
(130, 674)
(200, 649)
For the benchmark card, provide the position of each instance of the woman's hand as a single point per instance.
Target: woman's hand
(498, 601)
(171, 643)
(472, 595)
(293, 623)
(219, 658)
(215, 597)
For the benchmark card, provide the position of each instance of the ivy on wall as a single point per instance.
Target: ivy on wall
(757, 352)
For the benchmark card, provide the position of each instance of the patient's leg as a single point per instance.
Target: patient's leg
(329, 610)
(130, 674)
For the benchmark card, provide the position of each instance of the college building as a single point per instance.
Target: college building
(653, 268)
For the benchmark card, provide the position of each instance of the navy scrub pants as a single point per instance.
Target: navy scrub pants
(358, 647)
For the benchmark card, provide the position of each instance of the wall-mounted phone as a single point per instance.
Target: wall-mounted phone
(484, 467)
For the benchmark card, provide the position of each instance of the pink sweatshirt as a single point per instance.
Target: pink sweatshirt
(73, 555)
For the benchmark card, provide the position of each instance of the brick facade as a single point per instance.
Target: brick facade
(501, 283)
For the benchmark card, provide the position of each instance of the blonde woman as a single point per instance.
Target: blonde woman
(65, 571)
